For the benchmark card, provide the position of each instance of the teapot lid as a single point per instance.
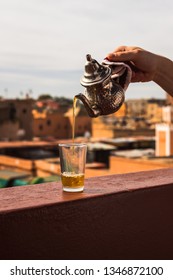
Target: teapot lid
(94, 73)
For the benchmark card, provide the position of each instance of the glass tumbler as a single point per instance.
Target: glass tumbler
(72, 162)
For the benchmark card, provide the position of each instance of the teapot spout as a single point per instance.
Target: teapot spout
(93, 110)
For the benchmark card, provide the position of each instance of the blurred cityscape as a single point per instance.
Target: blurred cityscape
(136, 138)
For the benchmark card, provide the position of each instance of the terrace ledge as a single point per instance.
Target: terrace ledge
(125, 216)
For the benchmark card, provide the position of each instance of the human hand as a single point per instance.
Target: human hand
(144, 64)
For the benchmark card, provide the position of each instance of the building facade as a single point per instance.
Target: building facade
(16, 119)
(59, 125)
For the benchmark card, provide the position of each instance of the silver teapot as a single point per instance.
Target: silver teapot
(103, 95)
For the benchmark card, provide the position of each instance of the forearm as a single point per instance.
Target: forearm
(164, 74)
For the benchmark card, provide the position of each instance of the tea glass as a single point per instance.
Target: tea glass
(72, 162)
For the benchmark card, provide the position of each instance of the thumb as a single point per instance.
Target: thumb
(121, 56)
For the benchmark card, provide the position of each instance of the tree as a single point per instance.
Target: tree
(45, 96)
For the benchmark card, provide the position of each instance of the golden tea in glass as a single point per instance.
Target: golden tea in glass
(73, 181)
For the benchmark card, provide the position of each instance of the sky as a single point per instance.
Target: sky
(43, 43)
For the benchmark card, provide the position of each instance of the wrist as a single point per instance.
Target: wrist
(161, 65)
(163, 75)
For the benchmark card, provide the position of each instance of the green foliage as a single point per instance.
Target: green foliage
(45, 96)
(63, 100)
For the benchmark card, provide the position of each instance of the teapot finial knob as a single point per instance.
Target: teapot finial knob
(88, 57)
(94, 73)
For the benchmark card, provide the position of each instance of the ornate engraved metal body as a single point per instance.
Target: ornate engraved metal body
(103, 95)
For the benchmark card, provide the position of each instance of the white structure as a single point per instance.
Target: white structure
(167, 114)
(164, 139)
